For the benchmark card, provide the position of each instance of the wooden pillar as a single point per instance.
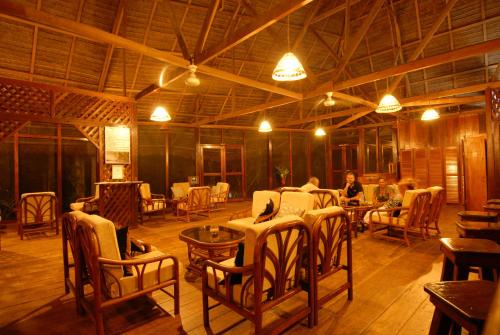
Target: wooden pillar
(59, 168)
(167, 151)
(269, 162)
(290, 160)
(309, 156)
(361, 153)
(492, 146)
(243, 166)
(16, 166)
(328, 158)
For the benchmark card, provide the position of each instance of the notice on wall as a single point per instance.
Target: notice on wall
(117, 145)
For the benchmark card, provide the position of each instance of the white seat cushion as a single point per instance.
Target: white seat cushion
(302, 200)
(150, 277)
(261, 198)
(241, 224)
(76, 206)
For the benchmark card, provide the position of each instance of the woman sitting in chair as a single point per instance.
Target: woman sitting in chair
(397, 200)
(382, 193)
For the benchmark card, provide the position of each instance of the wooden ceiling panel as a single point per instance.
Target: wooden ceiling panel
(16, 45)
(51, 46)
(88, 58)
(99, 14)
(466, 12)
(491, 8)
(468, 36)
(136, 19)
(62, 8)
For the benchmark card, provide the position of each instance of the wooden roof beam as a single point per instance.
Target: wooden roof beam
(427, 38)
(278, 12)
(109, 52)
(26, 14)
(177, 29)
(357, 38)
(332, 11)
(206, 26)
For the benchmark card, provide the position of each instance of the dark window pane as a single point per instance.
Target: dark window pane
(371, 150)
(38, 128)
(182, 154)
(231, 136)
(233, 160)
(236, 189)
(151, 158)
(79, 166)
(281, 156)
(256, 161)
(345, 137)
(299, 159)
(211, 160)
(318, 162)
(37, 165)
(7, 200)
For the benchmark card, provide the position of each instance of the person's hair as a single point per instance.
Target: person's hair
(350, 173)
(380, 178)
(409, 183)
(314, 181)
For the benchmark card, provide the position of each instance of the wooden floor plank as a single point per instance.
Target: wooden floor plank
(388, 281)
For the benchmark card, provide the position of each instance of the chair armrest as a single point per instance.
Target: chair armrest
(227, 273)
(157, 196)
(241, 214)
(86, 199)
(148, 247)
(136, 262)
(389, 211)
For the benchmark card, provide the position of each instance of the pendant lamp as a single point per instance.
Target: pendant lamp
(265, 127)
(388, 104)
(430, 114)
(289, 67)
(160, 114)
(320, 132)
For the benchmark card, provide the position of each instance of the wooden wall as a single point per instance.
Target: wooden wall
(430, 152)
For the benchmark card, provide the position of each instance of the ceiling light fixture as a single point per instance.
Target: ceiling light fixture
(160, 114)
(192, 80)
(320, 132)
(430, 114)
(388, 104)
(329, 102)
(265, 127)
(289, 67)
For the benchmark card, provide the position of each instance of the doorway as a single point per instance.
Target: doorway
(344, 158)
(223, 163)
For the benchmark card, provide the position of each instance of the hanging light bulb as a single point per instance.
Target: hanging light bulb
(160, 114)
(265, 127)
(320, 132)
(430, 114)
(388, 104)
(192, 80)
(289, 68)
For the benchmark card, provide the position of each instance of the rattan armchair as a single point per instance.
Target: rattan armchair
(87, 204)
(239, 220)
(151, 203)
(37, 212)
(196, 202)
(219, 195)
(412, 217)
(437, 202)
(96, 240)
(330, 230)
(270, 274)
(325, 198)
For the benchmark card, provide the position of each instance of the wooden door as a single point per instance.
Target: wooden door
(475, 172)
(406, 163)
(344, 158)
(451, 175)
(212, 164)
(421, 168)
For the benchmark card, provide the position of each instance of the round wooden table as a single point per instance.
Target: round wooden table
(209, 242)
(479, 229)
(478, 216)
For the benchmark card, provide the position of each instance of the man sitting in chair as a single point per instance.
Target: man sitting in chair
(352, 191)
(312, 184)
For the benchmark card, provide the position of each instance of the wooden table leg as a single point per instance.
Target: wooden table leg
(441, 323)
(448, 269)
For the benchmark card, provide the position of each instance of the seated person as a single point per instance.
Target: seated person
(397, 199)
(312, 184)
(352, 191)
(382, 193)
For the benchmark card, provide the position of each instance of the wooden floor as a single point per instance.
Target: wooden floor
(388, 288)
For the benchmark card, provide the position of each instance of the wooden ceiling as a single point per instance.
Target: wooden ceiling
(428, 52)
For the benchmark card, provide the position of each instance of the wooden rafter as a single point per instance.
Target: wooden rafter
(357, 38)
(144, 41)
(24, 13)
(120, 12)
(275, 14)
(206, 26)
(428, 36)
(332, 11)
(35, 42)
(177, 29)
(72, 47)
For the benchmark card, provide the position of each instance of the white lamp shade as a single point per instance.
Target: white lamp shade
(430, 114)
(160, 114)
(388, 104)
(289, 68)
(192, 80)
(265, 127)
(320, 132)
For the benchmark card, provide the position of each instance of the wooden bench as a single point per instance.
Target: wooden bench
(478, 216)
(462, 253)
(475, 229)
(461, 303)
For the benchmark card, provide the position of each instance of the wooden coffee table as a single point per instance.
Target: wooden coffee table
(209, 242)
(478, 229)
(478, 216)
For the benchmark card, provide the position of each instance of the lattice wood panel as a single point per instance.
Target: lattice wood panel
(495, 104)
(7, 128)
(91, 133)
(17, 99)
(28, 101)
